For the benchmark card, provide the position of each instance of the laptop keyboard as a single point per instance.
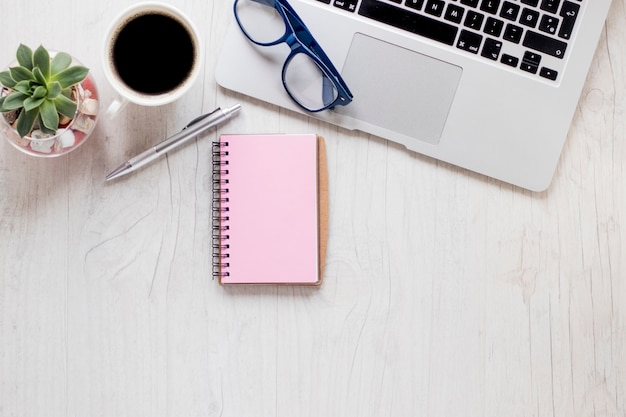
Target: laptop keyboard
(529, 35)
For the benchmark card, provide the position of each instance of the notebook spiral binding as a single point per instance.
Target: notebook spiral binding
(220, 209)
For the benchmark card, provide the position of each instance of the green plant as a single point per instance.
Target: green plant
(40, 89)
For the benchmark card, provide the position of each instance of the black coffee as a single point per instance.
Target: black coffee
(153, 53)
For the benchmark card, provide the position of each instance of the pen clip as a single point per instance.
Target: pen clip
(197, 119)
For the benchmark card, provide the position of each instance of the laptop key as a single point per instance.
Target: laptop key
(548, 24)
(545, 44)
(529, 18)
(474, 20)
(550, 5)
(415, 4)
(469, 41)
(490, 6)
(569, 13)
(349, 5)
(493, 27)
(435, 7)
(528, 67)
(509, 60)
(454, 13)
(409, 21)
(513, 33)
(532, 58)
(491, 49)
(509, 11)
(548, 73)
(471, 3)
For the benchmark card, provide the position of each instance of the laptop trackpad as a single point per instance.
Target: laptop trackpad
(398, 89)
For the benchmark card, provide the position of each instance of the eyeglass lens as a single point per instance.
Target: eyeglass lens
(303, 77)
(307, 84)
(260, 20)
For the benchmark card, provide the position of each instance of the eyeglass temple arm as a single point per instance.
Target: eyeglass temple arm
(269, 3)
(305, 36)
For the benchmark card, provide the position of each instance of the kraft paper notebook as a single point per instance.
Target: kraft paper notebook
(270, 209)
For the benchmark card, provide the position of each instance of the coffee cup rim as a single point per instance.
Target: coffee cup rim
(150, 99)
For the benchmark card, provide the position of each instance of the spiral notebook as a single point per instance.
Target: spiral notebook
(270, 209)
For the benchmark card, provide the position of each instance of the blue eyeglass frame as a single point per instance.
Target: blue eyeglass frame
(300, 40)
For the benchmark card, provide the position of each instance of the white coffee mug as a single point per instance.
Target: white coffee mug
(152, 55)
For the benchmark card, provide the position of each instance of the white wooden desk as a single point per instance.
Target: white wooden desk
(446, 293)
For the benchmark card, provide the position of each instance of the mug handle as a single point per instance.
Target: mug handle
(116, 106)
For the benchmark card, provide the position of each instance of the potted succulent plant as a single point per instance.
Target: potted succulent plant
(48, 105)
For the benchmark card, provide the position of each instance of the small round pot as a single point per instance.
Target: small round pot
(70, 134)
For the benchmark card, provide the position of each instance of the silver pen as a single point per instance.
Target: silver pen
(194, 128)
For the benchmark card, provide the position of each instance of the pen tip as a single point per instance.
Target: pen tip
(118, 172)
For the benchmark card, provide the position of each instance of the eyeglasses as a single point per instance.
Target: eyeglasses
(309, 77)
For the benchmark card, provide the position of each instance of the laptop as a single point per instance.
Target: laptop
(487, 85)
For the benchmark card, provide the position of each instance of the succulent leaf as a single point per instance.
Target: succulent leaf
(49, 115)
(13, 101)
(6, 79)
(23, 87)
(39, 77)
(40, 92)
(31, 103)
(25, 56)
(45, 129)
(71, 76)
(54, 89)
(21, 73)
(41, 60)
(26, 120)
(65, 106)
(60, 62)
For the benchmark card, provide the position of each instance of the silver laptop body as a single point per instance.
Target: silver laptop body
(443, 77)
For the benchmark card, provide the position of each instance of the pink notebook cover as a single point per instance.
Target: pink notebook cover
(272, 232)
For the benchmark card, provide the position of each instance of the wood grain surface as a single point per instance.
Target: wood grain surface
(446, 293)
